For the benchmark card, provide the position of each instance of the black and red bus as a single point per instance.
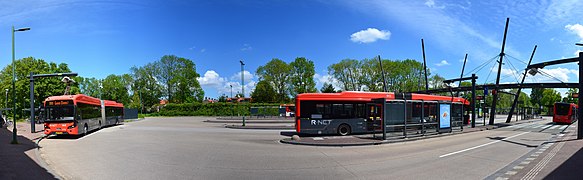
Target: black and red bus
(564, 113)
(79, 114)
(354, 112)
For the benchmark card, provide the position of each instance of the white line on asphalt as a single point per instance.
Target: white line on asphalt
(82, 137)
(547, 126)
(475, 147)
(554, 127)
(537, 126)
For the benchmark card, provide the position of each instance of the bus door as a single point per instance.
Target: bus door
(373, 117)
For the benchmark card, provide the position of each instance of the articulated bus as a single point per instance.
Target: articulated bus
(79, 114)
(354, 112)
(564, 113)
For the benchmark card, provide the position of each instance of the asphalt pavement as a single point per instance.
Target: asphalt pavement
(188, 148)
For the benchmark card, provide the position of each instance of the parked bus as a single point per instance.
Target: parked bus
(290, 110)
(565, 113)
(354, 112)
(79, 114)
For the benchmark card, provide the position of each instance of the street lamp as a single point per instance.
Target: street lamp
(231, 90)
(243, 84)
(6, 100)
(14, 141)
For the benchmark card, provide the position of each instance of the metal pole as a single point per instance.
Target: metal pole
(32, 120)
(520, 88)
(580, 103)
(473, 100)
(495, 95)
(424, 65)
(14, 141)
(383, 73)
(462, 75)
(243, 84)
(141, 103)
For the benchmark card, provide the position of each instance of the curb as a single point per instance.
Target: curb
(41, 160)
(330, 145)
(247, 121)
(261, 127)
(289, 141)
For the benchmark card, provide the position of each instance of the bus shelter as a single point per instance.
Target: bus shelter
(401, 118)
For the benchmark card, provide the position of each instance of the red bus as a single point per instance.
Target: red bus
(354, 112)
(564, 113)
(79, 114)
(290, 110)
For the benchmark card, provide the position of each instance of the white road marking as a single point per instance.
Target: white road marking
(479, 146)
(525, 162)
(518, 167)
(537, 126)
(554, 127)
(547, 126)
(511, 173)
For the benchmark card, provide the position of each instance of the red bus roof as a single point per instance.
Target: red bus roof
(367, 96)
(112, 103)
(84, 99)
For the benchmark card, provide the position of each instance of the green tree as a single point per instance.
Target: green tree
(145, 88)
(550, 97)
(348, 72)
(569, 98)
(277, 73)
(44, 87)
(302, 76)
(88, 86)
(327, 88)
(115, 89)
(536, 95)
(178, 77)
(263, 93)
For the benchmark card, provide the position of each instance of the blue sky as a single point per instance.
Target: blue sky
(98, 38)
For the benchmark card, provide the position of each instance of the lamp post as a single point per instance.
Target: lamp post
(14, 141)
(243, 84)
(141, 103)
(6, 100)
(232, 110)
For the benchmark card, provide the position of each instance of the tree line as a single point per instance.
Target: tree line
(174, 79)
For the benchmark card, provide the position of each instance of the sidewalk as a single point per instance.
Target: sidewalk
(20, 161)
(567, 163)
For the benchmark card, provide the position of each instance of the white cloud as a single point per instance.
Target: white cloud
(431, 4)
(450, 31)
(192, 48)
(575, 29)
(321, 79)
(442, 63)
(370, 35)
(246, 74)
(246, 47)
(203, 50)
(211, 79)
(562, 74)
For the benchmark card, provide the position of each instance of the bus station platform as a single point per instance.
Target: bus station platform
(368, 139)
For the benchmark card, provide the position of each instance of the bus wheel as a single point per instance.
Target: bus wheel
(85, 129)
(344, 129)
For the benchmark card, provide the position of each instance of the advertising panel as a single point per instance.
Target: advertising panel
(444, 116)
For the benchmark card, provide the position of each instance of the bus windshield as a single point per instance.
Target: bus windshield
(562, 109)
(59, 113)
